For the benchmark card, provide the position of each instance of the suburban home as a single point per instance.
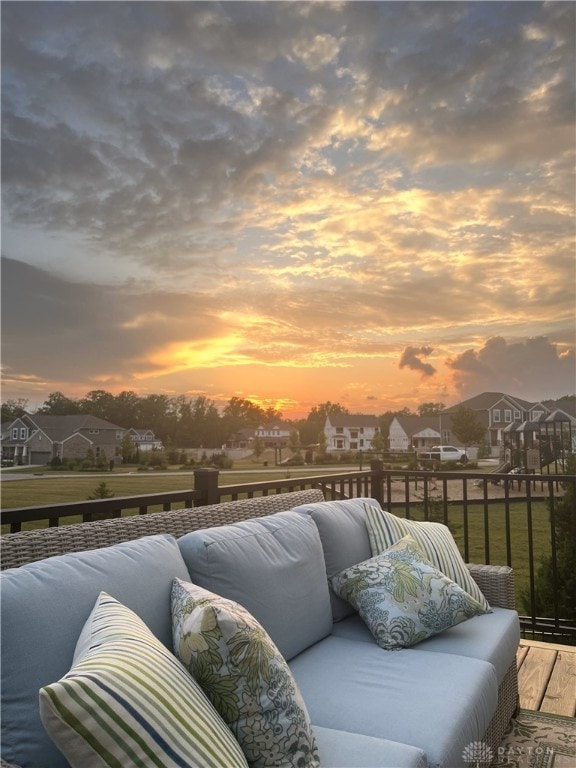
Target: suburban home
(145, 440)
(275, 435)
(39, 438)
(240, 440)
(350, 432)
(410, 433)
(510, 422)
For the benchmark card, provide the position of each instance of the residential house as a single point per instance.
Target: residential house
(145, 440)
(497, 411)
(409, 433)
(243, 439)
(274, 435)
(346, 432)
(39, 438)
(509, 421)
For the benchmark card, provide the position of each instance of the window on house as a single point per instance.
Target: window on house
(354, 446)
(495, 415)
(361, 443)
(93, 431)
(339, 443)
(15, 433)
(361, 430)
(507, 415)
(354, 434)
(517, 415)
(339, 430)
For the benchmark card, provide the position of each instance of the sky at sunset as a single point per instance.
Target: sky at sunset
(367, 203)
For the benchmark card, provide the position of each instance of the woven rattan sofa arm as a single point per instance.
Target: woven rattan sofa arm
(496, 583)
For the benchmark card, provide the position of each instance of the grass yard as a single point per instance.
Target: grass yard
(519, 539)
(53, 488)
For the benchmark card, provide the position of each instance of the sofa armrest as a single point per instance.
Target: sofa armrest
(496, 583)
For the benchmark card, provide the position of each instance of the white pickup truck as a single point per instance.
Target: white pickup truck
(443, 453)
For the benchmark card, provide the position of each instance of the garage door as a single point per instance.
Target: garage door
(40, 457)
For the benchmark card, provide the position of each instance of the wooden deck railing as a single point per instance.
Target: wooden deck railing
(496, 519)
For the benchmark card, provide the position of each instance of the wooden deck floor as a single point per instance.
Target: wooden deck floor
(547, 677)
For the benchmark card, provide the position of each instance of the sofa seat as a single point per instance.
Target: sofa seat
(437, 702)
(341, 749)
(493, 637)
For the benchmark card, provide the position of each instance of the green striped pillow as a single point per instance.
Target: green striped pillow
(127, 701)
(434, 539)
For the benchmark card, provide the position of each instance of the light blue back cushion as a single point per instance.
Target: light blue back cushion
(344, 537)
(44, 607)
(274, 567)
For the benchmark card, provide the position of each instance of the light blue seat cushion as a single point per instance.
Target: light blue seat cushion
(493, 637)
(274, 567)
(44, 607)
(437, 702)
(344, 537)
(342, 749)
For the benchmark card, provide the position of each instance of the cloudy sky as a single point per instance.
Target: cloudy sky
(368, 203)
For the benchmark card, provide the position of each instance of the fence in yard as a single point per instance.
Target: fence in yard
(500, 519)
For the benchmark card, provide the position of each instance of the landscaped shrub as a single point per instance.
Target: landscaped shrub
(563, 592)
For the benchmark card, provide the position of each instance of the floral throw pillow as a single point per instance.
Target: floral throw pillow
(244, 675)
(434, 539)
(403, 598)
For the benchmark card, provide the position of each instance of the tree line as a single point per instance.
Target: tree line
(194, 422)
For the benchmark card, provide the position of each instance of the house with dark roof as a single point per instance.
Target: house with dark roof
(39, 438)
(409, 433)
(509, 421)
(346, 432)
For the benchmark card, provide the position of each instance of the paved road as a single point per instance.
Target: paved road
(37, 472)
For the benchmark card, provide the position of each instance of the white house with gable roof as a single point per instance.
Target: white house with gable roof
(350, 432)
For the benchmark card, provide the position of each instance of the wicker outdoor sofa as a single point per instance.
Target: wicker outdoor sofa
(29, 550)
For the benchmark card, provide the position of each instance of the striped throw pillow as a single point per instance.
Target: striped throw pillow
(434, 539)
(127, 701)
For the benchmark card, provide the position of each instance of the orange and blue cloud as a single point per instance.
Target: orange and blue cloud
(370, 203)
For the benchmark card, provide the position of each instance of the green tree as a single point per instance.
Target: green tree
(101, 492)
(125, 409)
(258, 447)
(13, 409)
(467, 427)
(430, 409)
(244, 412)
(561, 590)
(57, 404)
(98, 403)
(378, 442)
(294, 441)
(128, 449)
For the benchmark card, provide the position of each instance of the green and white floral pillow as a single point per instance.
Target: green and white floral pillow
(244, 675)
(434, 540)
(403, 598)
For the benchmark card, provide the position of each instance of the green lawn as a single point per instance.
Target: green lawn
(52, 488)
